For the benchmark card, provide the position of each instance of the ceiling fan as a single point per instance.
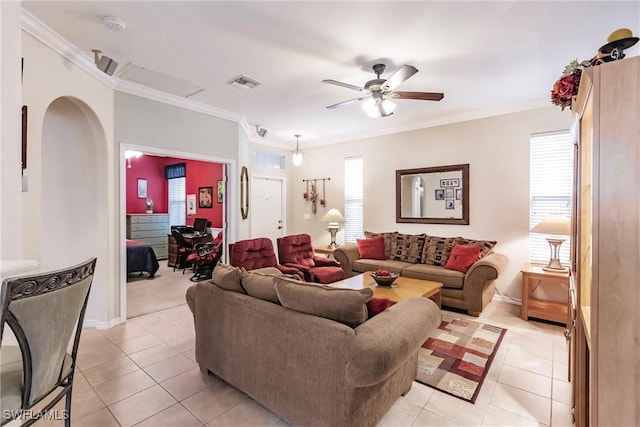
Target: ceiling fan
(375, 102)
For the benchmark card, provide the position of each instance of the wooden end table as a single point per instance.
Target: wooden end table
(538, 308)
(407, 288)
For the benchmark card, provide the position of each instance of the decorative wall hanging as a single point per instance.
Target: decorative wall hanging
(244, 192)
(205, 197)
(220, 191)
(142, 188)
(191, 204)
(312, 195)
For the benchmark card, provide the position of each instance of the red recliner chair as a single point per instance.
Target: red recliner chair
(257, 253)
(296, 251)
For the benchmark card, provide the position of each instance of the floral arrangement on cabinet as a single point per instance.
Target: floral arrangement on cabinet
(566, 87)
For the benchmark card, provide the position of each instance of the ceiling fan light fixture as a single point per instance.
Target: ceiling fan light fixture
(388, 106)
(297, 156)
(370, 107)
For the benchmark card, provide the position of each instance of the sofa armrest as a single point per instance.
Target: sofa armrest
(389, 339)
(487, 268)
(346, 255)
(325, 262)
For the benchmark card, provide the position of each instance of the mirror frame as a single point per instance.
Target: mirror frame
(464, 168)
(244, 192)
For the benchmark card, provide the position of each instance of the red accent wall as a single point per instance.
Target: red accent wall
(199, 174)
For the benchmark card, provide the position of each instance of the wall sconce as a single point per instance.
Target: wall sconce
(297, 155)
(333, 217)
(131, 154)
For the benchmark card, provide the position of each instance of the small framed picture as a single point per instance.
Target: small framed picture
(191, 204)
(205, 197)
(450, 204)
(449, 193)
(220, 191)
(439, 194)
(458, 193)
(142, 188)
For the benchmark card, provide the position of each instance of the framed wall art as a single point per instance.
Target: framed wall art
(142, 188)
(205, 197)
(191, 204)
(220, 191)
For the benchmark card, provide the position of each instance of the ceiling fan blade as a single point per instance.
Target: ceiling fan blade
(402, 74)
(340, 104)
(337, 83)
(424, 96)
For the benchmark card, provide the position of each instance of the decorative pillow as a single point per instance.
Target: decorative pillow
(407, 247)
(259, 285)
(462, 257)
(377, 305)
(347, 306)
(372, 248)
(387, 236)
(437, 249)
(486, 246)
(227, 277)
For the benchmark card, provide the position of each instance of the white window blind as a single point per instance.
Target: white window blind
(551, 174)
(353, 199)
(267, 160)
(177, 201)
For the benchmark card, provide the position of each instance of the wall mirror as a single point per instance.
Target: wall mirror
(244, 192)
(435, 195)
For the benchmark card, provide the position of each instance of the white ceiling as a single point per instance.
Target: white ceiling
(487, 57)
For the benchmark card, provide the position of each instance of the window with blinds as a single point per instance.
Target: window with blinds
(267, 160)
(551, 176)
(353, 199)
(177, 201)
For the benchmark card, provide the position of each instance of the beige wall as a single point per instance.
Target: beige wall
(497, 150)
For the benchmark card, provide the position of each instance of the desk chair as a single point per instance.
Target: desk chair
(204, 258)
(184, 250)
(42, 310)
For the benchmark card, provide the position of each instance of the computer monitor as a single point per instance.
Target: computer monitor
(200, 225)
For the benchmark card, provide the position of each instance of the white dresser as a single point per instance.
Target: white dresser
(151, 229)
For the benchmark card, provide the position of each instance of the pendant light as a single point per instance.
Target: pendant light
(297, 155)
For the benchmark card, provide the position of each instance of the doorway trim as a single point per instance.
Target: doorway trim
(230, 209)
(283, 207)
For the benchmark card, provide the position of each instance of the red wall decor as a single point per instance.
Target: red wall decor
(151, 168)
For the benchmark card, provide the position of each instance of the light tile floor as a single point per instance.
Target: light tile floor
(143, 373)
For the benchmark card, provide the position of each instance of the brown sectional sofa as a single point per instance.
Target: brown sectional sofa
(470, 291)
(309, 369)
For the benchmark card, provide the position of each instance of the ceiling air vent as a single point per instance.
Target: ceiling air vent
(243, 82)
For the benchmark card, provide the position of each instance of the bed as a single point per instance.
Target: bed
(140, 257)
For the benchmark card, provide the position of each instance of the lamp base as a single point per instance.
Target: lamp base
(333, 231)
(554, 263)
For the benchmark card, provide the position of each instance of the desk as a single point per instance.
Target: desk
(192, 240)
(543, 309)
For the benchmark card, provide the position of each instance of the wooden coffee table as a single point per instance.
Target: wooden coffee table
(407, 288)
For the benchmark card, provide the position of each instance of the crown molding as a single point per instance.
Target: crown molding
(55, 41)
(59, 44)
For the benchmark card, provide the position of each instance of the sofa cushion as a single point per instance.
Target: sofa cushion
(372, 248)
(449, 278)
(227, 277)
(462, 257)
(437, 249)
(259, 285)
(363, 265)
(347, 306)
(407, 247)
(377, 305)
(387, 236)
(486, 246)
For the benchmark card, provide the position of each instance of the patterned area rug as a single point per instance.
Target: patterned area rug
(457, 357)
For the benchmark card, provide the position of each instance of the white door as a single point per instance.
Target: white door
(267, 217)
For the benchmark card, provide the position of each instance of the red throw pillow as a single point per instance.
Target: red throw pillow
(377, 306)
(462, 257)
(372, 248)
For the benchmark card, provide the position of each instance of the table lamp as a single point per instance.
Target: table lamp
(555, 226)
(333, 217)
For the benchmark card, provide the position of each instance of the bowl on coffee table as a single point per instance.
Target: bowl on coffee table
(385, 280)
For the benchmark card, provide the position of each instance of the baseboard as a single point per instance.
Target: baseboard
(96, 324)
(504, 298)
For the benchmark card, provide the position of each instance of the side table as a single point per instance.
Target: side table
(538, 308)
(324, 250)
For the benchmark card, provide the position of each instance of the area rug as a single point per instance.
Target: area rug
(457, 357)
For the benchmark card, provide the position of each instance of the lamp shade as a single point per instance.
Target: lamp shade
(333, 215)
(297, 158)
(557, 225)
